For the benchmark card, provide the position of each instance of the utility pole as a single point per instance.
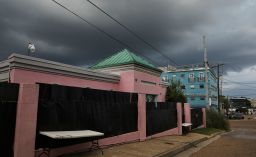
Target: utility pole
(218, 84)
(206, 71)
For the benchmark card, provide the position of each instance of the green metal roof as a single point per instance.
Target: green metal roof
(122, 58)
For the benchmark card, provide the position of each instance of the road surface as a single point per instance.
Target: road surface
(241, 142)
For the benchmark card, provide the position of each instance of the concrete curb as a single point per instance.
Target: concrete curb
(187, 146)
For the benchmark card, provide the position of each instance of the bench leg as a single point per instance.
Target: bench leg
(45, 153)
(95, 145)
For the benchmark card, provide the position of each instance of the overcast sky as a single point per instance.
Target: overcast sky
(175, 27)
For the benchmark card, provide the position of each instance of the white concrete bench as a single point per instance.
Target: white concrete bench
(58, 135)
(186, 127)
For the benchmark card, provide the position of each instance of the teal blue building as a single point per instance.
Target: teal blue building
(198, 84)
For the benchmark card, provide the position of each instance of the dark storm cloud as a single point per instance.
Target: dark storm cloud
(173, 26)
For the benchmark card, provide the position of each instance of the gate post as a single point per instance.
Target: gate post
(25, 131)
(187, 111)
(142, 116)
(179, 118)
(204, 117)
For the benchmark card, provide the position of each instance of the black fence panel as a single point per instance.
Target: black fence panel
(196, 117)
(8, 105)
(160, 116)
(63, 108)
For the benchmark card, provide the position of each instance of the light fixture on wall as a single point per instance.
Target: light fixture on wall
(31, 48)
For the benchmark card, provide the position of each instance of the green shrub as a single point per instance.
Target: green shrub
(216, 120)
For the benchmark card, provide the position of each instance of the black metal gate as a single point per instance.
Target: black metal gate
(160, 117)
(196, 117)
(8, 104)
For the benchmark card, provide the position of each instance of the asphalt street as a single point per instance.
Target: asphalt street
(241, 142)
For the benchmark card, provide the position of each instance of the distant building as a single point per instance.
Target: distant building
(238, 102)
(193, 80)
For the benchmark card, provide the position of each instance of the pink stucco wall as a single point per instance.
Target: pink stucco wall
(142, 116)
(179, 118)
(187, 111)
(156, 89)
(173, 131)
(31, 77)
(127, 80)
(24, 143)
(130, 81)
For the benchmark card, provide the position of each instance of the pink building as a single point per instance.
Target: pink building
(124, 71)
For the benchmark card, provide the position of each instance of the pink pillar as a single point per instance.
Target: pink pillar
(142, 116)
(204, 117)
(179, 118)
(25, 132)
(187, 112)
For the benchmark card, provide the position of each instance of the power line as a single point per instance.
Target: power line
(101, 30)
(240, 82)
(239, 88)
(131, 31)
(251, 94)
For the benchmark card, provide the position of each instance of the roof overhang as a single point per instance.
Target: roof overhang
(17, 61)
(132, 66)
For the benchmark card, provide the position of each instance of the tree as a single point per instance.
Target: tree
(174, 93)
(248, 103)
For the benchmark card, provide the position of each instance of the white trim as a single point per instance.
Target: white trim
(17, 61)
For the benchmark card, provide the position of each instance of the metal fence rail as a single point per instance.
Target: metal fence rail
(160, 116)
(196, 117)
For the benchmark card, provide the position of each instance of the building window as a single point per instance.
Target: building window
(183, 87)
(182, 75)
(164, 78)
(201, 76)
(202, 97)
(201, 85)
(191, 78)
(151, 98)
(192, 86)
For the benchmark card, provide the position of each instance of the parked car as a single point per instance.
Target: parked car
(236, 116)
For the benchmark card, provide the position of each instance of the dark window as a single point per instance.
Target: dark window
(182, 75)
(165, 78)
(151, 98)
(183, 87)
(191, 78)
(201, 86)
(201, 76)
(202, 97)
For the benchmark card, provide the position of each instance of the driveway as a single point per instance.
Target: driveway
(241, 142)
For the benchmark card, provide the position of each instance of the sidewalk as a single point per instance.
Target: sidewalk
(157, 147)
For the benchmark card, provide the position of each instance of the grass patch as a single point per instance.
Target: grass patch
(206, 131)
